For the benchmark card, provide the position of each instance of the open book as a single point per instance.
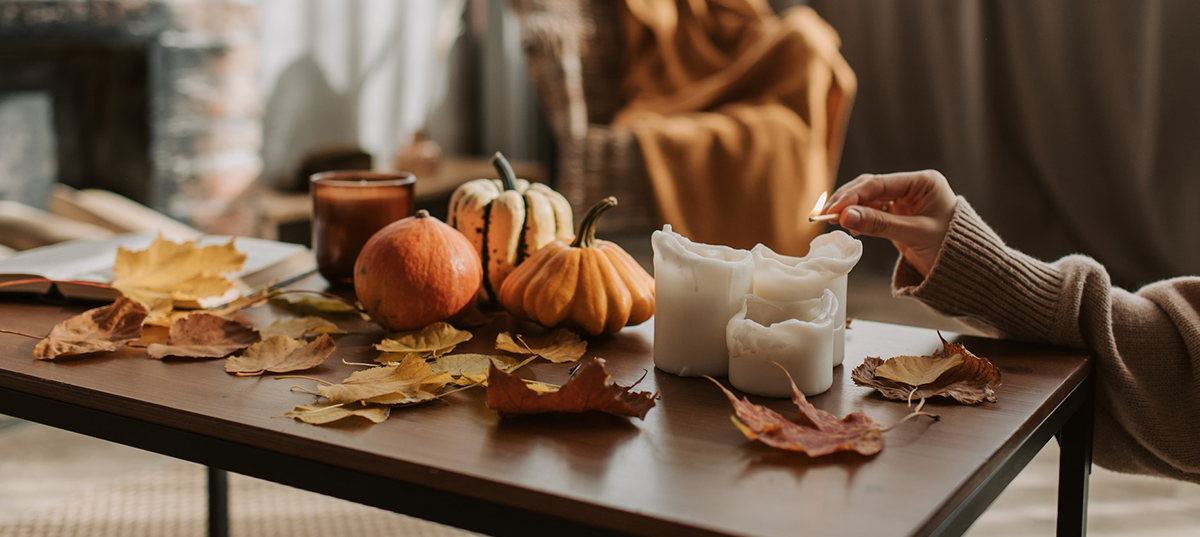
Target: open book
(268, 263)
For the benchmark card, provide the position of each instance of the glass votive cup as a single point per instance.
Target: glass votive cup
(348, 207)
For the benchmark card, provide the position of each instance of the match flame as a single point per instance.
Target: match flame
(816, 210)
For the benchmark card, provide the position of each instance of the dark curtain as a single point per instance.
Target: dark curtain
(1070, 125)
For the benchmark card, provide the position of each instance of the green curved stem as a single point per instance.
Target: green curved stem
(586, 238)
(507, 176)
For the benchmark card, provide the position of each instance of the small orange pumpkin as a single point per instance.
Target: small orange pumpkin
(416, 271)
(591, 284)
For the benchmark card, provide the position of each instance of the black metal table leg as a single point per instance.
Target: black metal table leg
(218, 503)
(1075, 467)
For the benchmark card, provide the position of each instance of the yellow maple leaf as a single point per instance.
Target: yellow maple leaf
(167, 273)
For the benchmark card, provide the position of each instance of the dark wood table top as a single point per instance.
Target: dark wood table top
(684, 470)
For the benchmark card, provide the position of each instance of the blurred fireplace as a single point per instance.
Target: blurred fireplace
(155, 100)
(99, 121)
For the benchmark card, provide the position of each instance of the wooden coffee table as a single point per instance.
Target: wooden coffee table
(684, 470)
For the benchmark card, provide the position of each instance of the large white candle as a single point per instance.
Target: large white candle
(784, 278)
(796, 335)
(697, 288)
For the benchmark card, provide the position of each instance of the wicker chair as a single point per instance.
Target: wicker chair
(574, 52)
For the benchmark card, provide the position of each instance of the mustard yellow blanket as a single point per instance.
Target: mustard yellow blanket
(740, 115)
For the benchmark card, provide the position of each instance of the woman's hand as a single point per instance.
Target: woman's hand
(912, 209)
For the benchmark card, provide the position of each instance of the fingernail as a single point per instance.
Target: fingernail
(851, 218)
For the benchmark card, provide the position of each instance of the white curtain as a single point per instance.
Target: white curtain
(371, 72)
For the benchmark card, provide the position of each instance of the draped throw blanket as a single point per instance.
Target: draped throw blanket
(740, 115)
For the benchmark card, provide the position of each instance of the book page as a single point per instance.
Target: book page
(267, 262)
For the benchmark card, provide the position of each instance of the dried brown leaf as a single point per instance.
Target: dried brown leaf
(310, 302)
(435, 339)
(202, 335)
(425, 390)
(558, 346)
(403, 378)
(326, 412)
(106, 328)
(963, 376)
(468, 369)
(816, 432)
(299, 327)
(281, 354)
(590, 389)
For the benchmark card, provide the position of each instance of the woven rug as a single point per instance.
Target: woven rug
(170, 501)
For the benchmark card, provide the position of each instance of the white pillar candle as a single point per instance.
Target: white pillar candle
(797, 335)
(785, 279)
(697, 288)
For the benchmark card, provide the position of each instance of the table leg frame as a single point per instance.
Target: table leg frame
(1072, 419)
(469, 513)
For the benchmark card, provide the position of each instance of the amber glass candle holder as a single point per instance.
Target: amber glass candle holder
(348, 207)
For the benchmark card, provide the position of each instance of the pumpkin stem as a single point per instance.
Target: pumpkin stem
(586, 238)
(422, 214)
(508, 177)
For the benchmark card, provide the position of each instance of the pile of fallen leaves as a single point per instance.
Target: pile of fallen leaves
(412, 367)
(951, 372)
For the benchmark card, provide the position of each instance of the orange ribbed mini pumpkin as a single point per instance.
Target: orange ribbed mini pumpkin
(590, 284)
(416, 271)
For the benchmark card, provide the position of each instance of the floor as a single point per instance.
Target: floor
(59, 484)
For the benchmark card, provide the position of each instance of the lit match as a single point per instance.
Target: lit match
(814, 217)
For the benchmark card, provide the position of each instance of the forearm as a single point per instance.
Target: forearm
(1146, 344)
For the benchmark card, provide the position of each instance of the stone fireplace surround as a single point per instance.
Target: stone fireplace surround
(152, 99)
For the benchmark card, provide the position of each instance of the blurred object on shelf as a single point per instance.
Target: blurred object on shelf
(421, 157)
(115, 212)
(329, 159)
(285, 215)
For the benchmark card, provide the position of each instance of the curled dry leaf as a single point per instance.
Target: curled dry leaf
(471, 369)
(299, 327)
(436, 339)
(404, 378)
(591, 389)
(202, 335)
(106, 328)
(281, 354)
(326, 412)
(815, 431)
(167, 272)
(952, 372)
(558, 346)
(311, 302)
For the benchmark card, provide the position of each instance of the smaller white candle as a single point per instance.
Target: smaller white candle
(797, 335)
(697, 288)
(830, 258)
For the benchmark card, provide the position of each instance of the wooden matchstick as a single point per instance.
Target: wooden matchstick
(823, 218)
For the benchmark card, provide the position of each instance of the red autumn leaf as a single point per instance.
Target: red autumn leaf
(106, 328)
(590, 389)
(815, 432)
(202, 335)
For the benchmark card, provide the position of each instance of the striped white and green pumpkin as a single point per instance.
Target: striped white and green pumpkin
(507, 220)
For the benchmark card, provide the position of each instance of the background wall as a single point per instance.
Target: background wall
(1069, 125)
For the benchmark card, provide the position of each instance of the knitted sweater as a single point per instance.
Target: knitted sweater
(1146, 343)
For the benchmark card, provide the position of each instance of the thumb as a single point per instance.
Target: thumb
(876, 223)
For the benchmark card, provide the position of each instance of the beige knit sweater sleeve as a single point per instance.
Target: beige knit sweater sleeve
(1146, 344)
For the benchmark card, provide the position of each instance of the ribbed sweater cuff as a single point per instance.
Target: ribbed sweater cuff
(977, 276)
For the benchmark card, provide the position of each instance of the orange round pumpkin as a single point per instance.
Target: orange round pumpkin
(590, 284)
(416, 271)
